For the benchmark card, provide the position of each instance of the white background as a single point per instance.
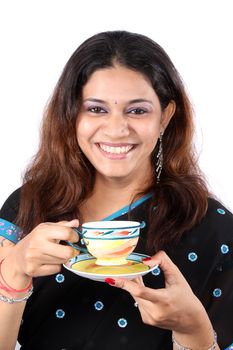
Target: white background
(38, 37)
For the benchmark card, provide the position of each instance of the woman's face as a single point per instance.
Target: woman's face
(119, 122)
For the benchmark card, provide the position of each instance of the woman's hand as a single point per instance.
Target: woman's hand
(174, 307)
(39, 253)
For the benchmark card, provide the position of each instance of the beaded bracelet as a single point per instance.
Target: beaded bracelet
(180, 347)
(16, 300)
(7, 288)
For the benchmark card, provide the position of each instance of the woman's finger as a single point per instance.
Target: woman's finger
(58, 251)
(59, 232)
(48, 259)
(72, 223)
(137, 290)
(45, 270)
(139, 280)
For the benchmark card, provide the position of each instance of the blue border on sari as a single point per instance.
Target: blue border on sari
(10, 231)
(126, 209)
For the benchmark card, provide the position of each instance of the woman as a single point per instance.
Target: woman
(117, 144)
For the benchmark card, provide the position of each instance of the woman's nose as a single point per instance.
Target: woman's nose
(116, 126)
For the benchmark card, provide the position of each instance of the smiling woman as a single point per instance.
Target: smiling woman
(116, 144)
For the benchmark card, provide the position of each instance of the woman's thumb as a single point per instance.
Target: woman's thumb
(72, 223)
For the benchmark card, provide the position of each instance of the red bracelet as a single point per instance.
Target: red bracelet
(7, 288)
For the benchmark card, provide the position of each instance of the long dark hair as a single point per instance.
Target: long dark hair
(60, 177)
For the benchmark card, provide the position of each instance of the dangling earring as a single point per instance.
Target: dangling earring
(159, 163)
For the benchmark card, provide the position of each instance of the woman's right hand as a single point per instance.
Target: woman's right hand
(39, 253)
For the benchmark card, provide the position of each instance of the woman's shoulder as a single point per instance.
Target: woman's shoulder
(213, 233)
(10, 207)
(216, 227)
(218, 216)
(216, 205)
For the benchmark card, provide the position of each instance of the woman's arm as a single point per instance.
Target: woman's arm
(37, 254)
(10, 314)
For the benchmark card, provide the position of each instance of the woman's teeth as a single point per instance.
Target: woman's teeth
(116, 150)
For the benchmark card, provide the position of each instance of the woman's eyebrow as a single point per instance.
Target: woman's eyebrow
(92, 99)
(136, 100)
(139, 100)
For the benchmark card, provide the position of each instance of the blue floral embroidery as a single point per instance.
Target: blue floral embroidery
(192, 256)
(217, 292)
(156, 271)
(60, 278)
(221, 211)
(230, 347)
(99, 305)
(122, 322)
(224, 248)
(10, 231)
(60, 313)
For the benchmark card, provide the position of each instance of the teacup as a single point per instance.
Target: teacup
(110, 242)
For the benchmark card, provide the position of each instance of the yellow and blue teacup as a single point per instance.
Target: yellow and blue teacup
(110, 242)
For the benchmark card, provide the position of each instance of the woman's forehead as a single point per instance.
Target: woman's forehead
(118, 84)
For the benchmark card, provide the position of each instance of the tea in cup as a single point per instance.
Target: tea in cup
(110, 242)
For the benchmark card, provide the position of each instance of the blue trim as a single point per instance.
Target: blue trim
(136, 257)
(230, 347)
(111, 238)
(126, 209)
(10, 231)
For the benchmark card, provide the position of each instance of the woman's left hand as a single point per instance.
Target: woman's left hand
(174, 307)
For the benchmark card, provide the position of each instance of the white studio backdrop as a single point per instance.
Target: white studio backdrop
(38, 37)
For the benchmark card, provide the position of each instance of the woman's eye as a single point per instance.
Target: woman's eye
(96, 109)
(137, 111)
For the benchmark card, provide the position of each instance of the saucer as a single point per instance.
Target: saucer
(84, 266)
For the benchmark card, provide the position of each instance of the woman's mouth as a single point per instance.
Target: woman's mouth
(116, 151)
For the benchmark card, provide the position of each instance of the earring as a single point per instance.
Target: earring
(159, 163)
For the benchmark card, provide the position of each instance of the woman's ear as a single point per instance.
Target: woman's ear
(167, 114)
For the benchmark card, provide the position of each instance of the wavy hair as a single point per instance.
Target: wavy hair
(60, 177)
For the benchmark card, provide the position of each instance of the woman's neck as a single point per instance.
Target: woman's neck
(110, 195)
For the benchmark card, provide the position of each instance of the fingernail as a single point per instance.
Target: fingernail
(146, 259)
(110, 281)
